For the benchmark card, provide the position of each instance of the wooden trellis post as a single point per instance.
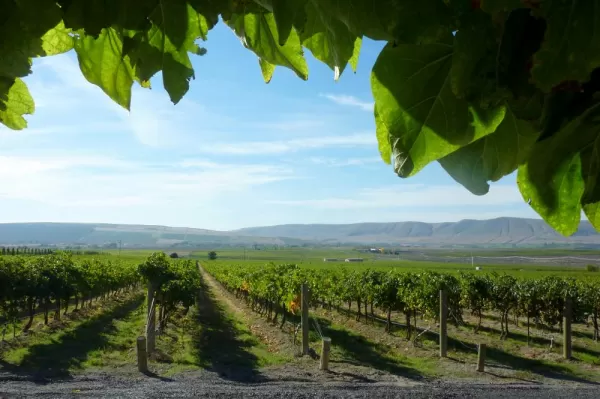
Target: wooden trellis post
(443, 324)
(305, 325)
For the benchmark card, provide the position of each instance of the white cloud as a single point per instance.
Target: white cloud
(303, 123)
(17, 165)
(338, 162)
(412, 196)
(58, 181)
(285, 146)
(352, 101)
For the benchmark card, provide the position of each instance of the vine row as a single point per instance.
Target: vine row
(275, 290)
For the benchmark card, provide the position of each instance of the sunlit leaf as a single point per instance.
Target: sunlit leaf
(15, 104)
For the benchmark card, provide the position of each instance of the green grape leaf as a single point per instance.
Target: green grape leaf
(571, 47)
(166, 46)
(414, 100)
(267, 69)
(90, 15)
(521, 38)
(494, 6)
(104, 64)
(286, 13)
(551, 179)
(424, 21)
(353, 61)
(258, 32)
(15, 103)
(57, 40)
(591, 175)
(328, 39)
(383, 138)
(474, 45)
(22, 26)
(492, 157)
(210, 10)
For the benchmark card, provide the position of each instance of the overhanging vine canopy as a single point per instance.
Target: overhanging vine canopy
(484, 87)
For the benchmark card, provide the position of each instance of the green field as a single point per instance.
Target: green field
(313, 258)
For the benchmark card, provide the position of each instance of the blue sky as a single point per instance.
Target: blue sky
(235, 152)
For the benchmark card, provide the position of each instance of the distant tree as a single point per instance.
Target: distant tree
(12, 251)
(212, 255)
(174, 255)
(3, 251)
(592, 268)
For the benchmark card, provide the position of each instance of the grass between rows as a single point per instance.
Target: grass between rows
(510, 359)
(104, 337)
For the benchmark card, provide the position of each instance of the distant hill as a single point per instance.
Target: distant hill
(501, 231)
(492, 231)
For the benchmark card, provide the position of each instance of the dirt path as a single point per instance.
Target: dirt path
(357, 367)
(275, 339)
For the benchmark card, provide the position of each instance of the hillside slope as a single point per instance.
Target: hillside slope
(501, 231)
(492, 231)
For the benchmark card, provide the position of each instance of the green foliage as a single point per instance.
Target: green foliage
(155, 269)
(483, 87)
(28, 282)
(592, 268)
(540, 299)
(174, 283)
(212, 255)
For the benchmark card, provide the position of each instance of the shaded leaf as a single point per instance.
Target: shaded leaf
(551, 180)
(167, 44)
(258, 32)
(492, 157)
(571, 47)
(210, 10)
(328, 39)
(494, 6)
(22, 26)
(423, 21)
(414, 100)
(104, 64)
(15, 103)
(520, 40)
(90, 16)
(286, 12)
(474, 55)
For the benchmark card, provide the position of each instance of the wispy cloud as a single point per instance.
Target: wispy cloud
(435, 196)
(339, 162)
(286, 146)
(58, 181)
(352, 101)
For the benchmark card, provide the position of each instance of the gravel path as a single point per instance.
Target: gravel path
(208, 385)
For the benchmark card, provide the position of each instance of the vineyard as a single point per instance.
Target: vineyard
(354, 305)
(415, 295)
(30, 285)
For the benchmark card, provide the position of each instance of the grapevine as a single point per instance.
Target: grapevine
(484, 87)
(274, 290)
(29, 284)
